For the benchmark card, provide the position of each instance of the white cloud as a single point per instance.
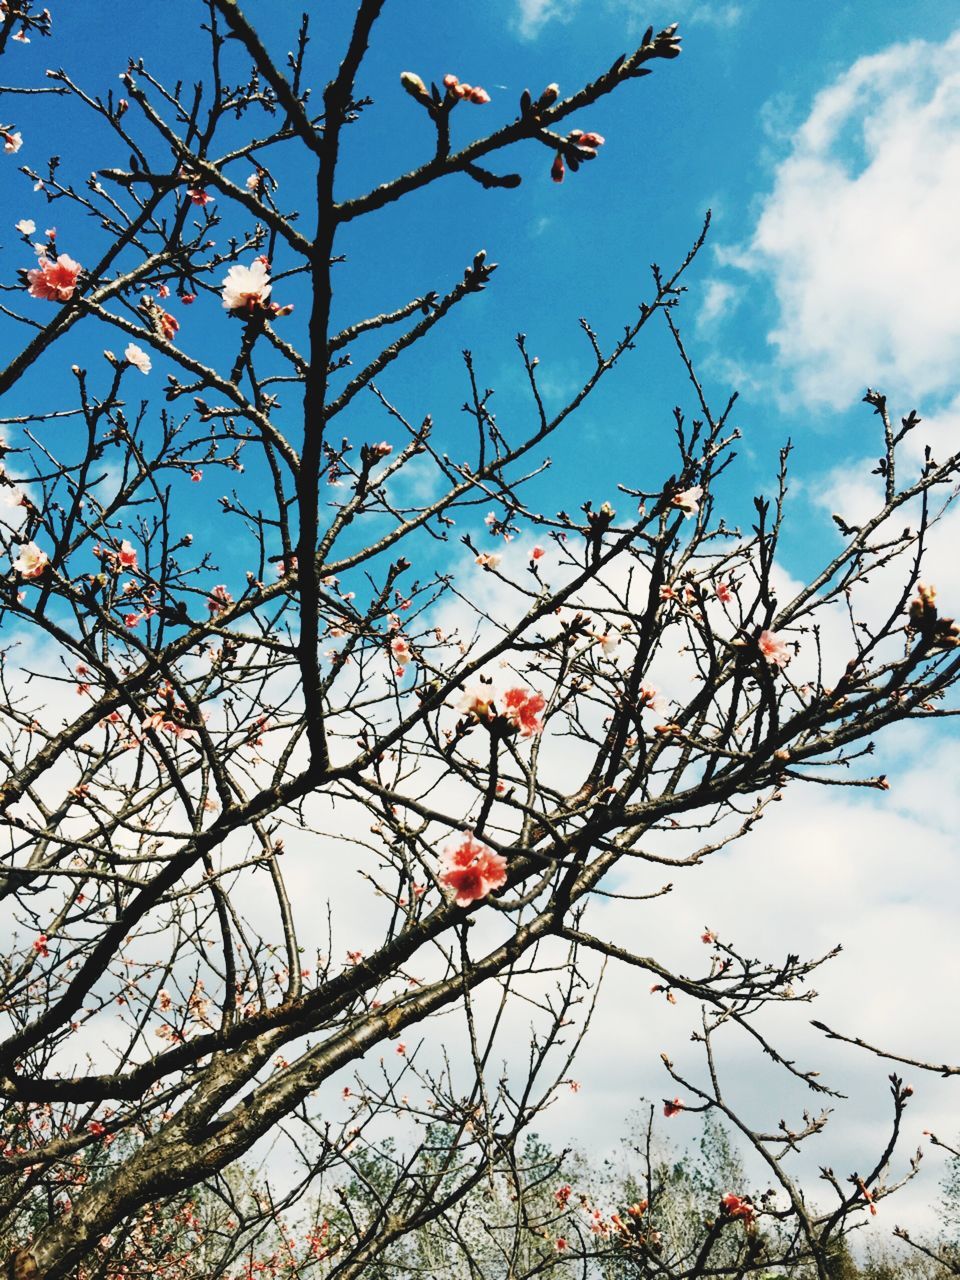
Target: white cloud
(859, 235)
(534, 14)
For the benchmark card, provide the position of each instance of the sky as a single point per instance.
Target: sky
(825, 138)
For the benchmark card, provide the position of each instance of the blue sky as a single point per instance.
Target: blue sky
(716, 129)
(826, 139)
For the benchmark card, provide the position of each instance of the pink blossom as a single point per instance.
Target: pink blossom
(199, 196)
(54, 281)
(12, 142)
(471, 870)
(650, 697)
(138, 358)
(40, 945)
(537, 553)
(737, 1207)
(724, 593)
(773, 649)
(218, 600)
(196, 476)
(672, 1108)
(246, 289)
(400, 649)
(489, 559)
(476, 703)
(252, 182)
(127, 556)
(523, 709)
(688, 501)
(30, 561)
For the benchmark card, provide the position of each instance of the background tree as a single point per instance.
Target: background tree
(289, 800)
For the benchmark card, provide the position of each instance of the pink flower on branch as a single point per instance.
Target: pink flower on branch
(523, 710)
(12, 142)
(246, 289)
(673, 1108)
(400, 652)
(688, 501)
(773, 649)
(471, 870)
(54, 280)
(127, 556)
(138, 358)
(477, 704)
(30, 561)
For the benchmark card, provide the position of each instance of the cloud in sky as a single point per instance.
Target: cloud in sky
(533, 15)
(859, 237)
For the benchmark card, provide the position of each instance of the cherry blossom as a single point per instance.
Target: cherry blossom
(471, 870)
(672, 1108)
(724, 592)
(127, 556)
(400, 650)
(138, 358)
(773, 649)
(477, 703)
(688, 501)
(199, 196)
(219, 599)
(489, 559)
(26, 226)
(523, 709)
(30, 561)
(54, 280)
(246, 289)
(537, 553)
(737, 1207)
(12, 142)
(648, 696)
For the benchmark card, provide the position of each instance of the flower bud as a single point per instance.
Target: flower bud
(413, 84)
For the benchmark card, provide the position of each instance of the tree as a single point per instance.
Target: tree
(473, 741)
